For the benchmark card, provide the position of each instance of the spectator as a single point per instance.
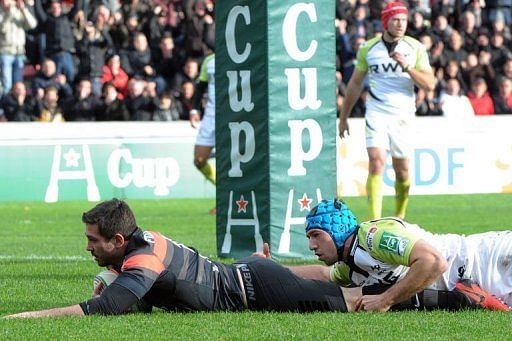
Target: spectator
(499, 52)
(484, 68)
(137, 61)
(188, 73)
(18, 106)
(114, 73)
(82, 106)
(168, 109)
(479, 97)
(468, 68)
(418, 26)
(91, 50)
(171, 12)
(57, 27)
(482, 40)
(136, 10)
(15, 19)
(475, 7)
(111, 108)
(138, 104)
(436, 52)
(157, 27)
(498, 26)
(121, 36)
(48, 76)
(102, 16)
(452, 103)
(503, 99)
(469, 32)
(454, 50)
(442, 30)
(452, 71)
(49, 107)
(199, 29)
(186, 99)
(166, 62)
(359, 23)
(345, 9)
(507, 69)
(427, 104)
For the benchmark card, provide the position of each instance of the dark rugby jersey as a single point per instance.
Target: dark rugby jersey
(171, 276)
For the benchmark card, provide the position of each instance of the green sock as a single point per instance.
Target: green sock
(374, 193)
(209, 172)
(401, 197)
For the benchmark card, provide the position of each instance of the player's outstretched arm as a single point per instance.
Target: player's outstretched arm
(74, 310)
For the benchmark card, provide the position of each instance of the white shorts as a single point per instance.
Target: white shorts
(486, 258)
(390, 133)
(206, 134)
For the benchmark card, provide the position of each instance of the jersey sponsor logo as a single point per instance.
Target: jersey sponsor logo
(369, 237)
(390, 242)
(389, 67)
(148, 237)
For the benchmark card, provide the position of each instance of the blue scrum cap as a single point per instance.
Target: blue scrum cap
(333, 217)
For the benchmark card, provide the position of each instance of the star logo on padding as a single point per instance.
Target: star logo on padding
(71, 158)
(242, 204)
(304, 203)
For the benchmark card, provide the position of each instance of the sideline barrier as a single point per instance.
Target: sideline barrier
(96, 161)
(155, 160)
(450, 156)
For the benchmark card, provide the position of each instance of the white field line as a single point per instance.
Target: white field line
(40, 257)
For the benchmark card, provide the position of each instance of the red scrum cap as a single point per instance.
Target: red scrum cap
(391, 9)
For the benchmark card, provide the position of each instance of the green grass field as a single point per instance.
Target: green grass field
(43, 264)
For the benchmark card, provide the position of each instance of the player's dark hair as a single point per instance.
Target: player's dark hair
(112, 217)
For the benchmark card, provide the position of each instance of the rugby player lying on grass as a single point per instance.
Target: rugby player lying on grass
(394, 252)
(162, 273)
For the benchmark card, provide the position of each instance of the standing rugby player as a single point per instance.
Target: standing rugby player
(394, 63)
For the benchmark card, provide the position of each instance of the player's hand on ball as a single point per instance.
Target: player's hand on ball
(103, 280)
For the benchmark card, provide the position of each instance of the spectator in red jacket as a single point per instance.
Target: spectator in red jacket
(114, 73)
(479, 97)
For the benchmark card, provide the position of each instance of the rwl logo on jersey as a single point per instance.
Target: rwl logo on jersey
(297, 207)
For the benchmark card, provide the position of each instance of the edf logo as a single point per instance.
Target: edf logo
(430, 167)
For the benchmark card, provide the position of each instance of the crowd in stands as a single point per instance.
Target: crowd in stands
(120, 60)
(102, 60)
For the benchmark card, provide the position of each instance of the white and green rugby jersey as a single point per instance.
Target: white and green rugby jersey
(381, 251)
(391, 89)
(379, 254)
(207, 74)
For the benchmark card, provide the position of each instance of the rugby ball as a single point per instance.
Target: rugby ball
(103, 280)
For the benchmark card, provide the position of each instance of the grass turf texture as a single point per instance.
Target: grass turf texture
(43, 264)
